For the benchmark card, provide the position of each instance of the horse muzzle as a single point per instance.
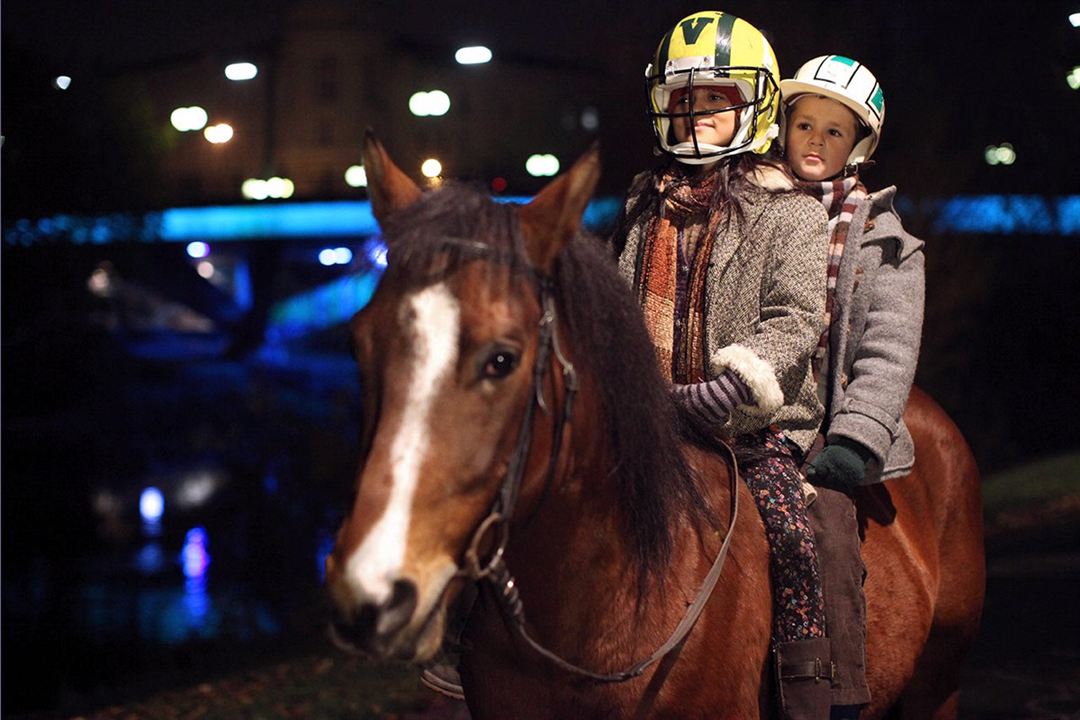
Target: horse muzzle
(379, 628)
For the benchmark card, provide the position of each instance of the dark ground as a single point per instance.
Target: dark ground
(1025, 664)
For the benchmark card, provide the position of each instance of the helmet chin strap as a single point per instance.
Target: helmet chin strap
(718, 152)
(846, 172)
(855, 168)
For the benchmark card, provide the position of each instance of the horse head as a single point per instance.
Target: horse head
(448, 350)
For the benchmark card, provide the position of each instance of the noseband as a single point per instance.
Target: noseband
(494, 569)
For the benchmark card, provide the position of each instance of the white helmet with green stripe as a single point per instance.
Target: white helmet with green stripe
(716, 49)
(849, 83)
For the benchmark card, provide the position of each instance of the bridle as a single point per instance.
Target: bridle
(494, 569)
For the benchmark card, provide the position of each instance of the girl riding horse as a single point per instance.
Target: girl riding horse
(728, 262)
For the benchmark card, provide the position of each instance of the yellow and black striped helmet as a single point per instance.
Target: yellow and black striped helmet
(715, 48)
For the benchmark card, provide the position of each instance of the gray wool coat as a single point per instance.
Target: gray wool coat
(874, 336)
(765, 301)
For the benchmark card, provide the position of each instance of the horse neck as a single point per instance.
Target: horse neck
(571, 555)
(576, 573)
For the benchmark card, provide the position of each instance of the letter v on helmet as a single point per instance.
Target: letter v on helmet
(692, 28)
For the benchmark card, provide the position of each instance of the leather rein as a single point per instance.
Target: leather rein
(494, 570)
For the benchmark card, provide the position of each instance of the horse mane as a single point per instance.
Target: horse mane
(655, 484)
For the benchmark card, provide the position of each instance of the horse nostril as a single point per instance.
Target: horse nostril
(397, 611)
(358, 630)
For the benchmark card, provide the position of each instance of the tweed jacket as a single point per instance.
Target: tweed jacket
(874, 336)
(765, 300)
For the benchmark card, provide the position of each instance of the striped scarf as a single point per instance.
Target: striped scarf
(683, 201)
(840, 197)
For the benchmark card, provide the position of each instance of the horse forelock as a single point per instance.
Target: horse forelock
(444, 230)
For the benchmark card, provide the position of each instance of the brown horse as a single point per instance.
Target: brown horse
(515, 421)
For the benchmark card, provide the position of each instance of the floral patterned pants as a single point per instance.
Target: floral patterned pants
(771, 470)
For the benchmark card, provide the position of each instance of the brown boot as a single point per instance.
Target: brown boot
(804, 679)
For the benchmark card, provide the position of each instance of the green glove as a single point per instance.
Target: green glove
(842, 464)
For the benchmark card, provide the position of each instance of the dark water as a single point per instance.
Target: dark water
(251, 460)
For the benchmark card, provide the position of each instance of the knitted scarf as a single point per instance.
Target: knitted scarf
(840, 197)
(685, 207)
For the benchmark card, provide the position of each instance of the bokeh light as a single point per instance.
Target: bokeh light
(151, 504)
(275, 187)
(473, 55)
(187, 119)
(198, 249)
(217, 134)
(434, 103)
(542, 165)
(1073, 78)
(1003, 154)
(356, 176)
(431, 168)
(241, 71)
(335, 256)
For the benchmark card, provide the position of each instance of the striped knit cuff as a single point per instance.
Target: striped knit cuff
(713, 401)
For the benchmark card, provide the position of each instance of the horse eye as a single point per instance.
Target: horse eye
(500, 364)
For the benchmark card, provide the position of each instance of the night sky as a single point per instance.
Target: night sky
(957, 76)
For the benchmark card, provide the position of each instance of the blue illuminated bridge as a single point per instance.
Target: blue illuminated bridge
(339, 242)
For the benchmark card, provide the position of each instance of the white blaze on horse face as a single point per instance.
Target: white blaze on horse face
(431, 318)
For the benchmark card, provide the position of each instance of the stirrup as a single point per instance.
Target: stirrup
(443, 679)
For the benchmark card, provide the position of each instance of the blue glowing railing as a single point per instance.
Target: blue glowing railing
(346, 218)
(962, 214)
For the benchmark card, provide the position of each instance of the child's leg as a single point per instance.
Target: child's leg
(771, 471)
(836, 528)
(800, 649)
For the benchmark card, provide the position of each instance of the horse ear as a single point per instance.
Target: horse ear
(554, 215)
(389, 188)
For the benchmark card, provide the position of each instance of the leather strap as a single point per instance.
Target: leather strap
(506, 590)
(807, 670)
